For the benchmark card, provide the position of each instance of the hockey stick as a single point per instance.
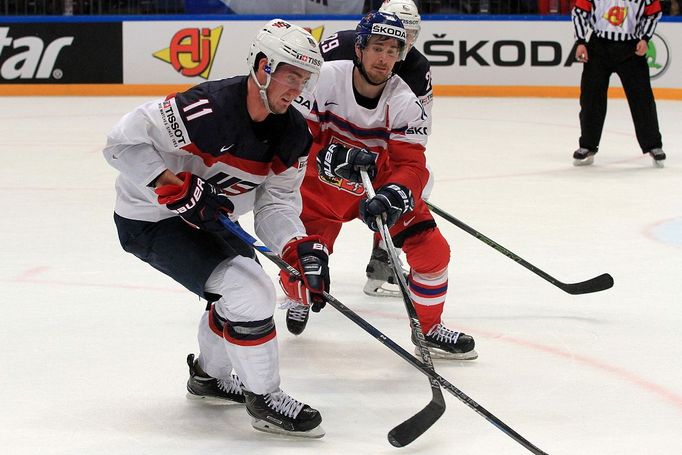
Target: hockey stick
(383, 339)
(416, 425)
(596, 284)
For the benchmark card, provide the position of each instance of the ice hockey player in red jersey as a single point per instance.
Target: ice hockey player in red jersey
(415, 70)
(359, 115)
(228, 147)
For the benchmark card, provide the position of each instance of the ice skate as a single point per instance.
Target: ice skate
(444, 343)
(279, 413)
(201, 386)
(297, 317)
(659, 157)
(381, 281)
(583, 157)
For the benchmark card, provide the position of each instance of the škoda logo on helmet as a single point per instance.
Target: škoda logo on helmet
(388, 30)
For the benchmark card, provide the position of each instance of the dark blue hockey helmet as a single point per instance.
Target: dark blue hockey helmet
(381, 24)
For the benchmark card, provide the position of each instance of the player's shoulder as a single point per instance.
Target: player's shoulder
(339, 46)
(336, 66)
(347, 36)
(418, 61)
(416, 72)
(333, 73)
(216, 102)
(402, 101)
(400, 91)
(223, 94)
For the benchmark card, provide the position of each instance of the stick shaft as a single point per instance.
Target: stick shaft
(417, 425)
(383, 339)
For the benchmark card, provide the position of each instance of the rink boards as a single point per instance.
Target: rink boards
(468, 56)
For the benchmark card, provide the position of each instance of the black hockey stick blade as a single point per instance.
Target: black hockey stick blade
(596, 284)
(415, 426)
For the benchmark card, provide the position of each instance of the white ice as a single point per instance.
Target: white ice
(94, 341)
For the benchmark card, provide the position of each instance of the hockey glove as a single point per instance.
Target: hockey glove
(335, 160)
(196, 201)
(309, 256)
(390, 202)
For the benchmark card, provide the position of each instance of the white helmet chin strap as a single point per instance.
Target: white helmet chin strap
(262, 89)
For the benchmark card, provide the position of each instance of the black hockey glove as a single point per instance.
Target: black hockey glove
(390, 202)
(336, 160)
(309, 256)
(196, 201)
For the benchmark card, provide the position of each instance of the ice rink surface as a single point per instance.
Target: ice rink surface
(94, 341)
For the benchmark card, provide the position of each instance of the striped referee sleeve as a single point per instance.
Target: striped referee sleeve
(648, 22)
(581, 19)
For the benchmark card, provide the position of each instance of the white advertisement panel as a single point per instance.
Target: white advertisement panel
(527, 53)
(185, 52)
(462, 53)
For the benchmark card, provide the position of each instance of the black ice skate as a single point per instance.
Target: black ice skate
(297, 317)
(444, 343)
(201, 386)
(659, 157)
(583, 157)
(279, 413)
(380, 275)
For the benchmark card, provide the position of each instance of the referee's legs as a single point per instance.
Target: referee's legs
(634, 74)
(594, 87)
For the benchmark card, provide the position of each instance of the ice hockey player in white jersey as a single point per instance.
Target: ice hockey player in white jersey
(415, 70)
(228, 147)
(360, 115)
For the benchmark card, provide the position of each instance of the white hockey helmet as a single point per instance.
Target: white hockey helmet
(408, 13)
(283, 42)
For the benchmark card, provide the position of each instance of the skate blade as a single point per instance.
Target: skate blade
(441, 354)
(659, 164)
(211, 400)
(262, 425)
(374, 288)
(586, 162)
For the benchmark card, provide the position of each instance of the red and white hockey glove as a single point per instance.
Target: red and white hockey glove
(196, 201)
(309, 256)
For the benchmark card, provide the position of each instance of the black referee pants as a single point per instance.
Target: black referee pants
(606, 57)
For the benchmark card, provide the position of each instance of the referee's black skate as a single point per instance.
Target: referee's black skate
(201, 386)
(444, 343)
(279, 413)
(659, 157)
(583, 157)
(297, 317)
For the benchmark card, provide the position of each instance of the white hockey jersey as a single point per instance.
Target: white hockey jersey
(207, 131)
(396, 129)
(415, 70)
